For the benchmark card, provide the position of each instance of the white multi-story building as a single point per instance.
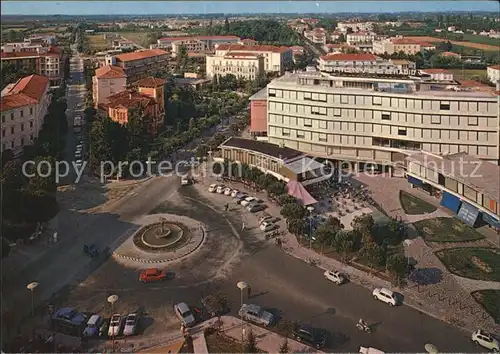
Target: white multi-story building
(355, 26)
(209, 42)
(276, 59)
(400, 44)
(191, 46)
(438, 74)
(24, 105)
(360, 37)
(247, 66)
(493, 73)
(380, 120)
(364, 63)
(108, 81)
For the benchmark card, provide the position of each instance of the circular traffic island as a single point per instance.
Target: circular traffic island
(161, 236)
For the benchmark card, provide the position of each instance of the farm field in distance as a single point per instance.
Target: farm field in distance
(98, 42)
(469, 74)
(139, 38)
(487, 47)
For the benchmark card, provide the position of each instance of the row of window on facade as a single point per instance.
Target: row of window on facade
(21, 114)
(12, 145)
(13, 130)
(251, 159)
(392, 102)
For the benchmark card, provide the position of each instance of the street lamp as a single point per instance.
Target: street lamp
(112, 299)
(242, 285)
(31, 287)
(431, 348)
(310, 209)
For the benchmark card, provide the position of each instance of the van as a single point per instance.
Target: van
(93, 326)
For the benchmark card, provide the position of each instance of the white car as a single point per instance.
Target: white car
(115, 325)
(184, 314)
(334, 276)
(184, 181)
(130, 325)
(212, 188)
(220, 189)
(385, 295)
(247, 200)
(234, 192)
(485, 340)
(227, 191)
(269, 227)
(267, 219)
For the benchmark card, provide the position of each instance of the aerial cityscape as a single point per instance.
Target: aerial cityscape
(250, 177)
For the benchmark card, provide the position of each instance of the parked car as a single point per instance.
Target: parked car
(240, 195)
(256, 208)
(212, 188)
(213, 306)
(184, 314)
(234, 192)
(93, 325)
(268, 219)
(131, 324)
(239, 199)
(385, 295)
(91, 250)
(269, 227)
(185, 181)
(115, 325)
(247, 200)
(334, 276)
(103, 329)
(220, 189)
(254, 313)
(485, 340)
(227, 191)
(69, 315)
(310, 335)
(152, 274)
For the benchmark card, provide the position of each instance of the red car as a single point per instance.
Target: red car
(152, 274)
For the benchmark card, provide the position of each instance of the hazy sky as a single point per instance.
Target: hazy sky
(197, 7)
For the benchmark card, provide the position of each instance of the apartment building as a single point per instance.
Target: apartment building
(364, 63)
(438, 74)
(316, 35)
(24, 105)
(147, 94)
(355, 26)
(258, 114)
(248, 41)
(400, 44)
(381, 120)
(191, 46)
(45, 61)
(360, 37)
(493, 73)
(208, 42)
(276, 59)
(141, 64)
(246, 66)
(108, 80)
(119, 44)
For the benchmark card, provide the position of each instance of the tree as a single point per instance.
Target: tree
(364, 225)
(293, 211)
(284, 347)
(397, 265)
(344, 243)
(297, 227)
(250, 344)
(374, 253)
(286, 199)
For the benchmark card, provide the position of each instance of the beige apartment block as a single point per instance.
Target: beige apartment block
(381, 120)
(108, 80)
(247, 66)
(364, 63)
(24, 105)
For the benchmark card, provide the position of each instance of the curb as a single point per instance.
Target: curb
(139, 260)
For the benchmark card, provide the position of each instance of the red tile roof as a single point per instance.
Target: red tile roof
(350, 57)
(436, 71)
(425, 44)
(253, 48)
(200, 38)
(249, 40)
(449, 54)
(26, 91)
(151, 82)
(22, 54)
(141, 54)
(110, 72)
(128, 99)
(240, 54)
(472, 83)
(404, 41)
(494, 67)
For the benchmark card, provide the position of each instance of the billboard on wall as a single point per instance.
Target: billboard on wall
(468, 214)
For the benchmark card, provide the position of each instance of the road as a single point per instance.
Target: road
(288, 287)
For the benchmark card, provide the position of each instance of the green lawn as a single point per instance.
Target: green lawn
(472, 262)
(490, 301)
(413, 205)
(469, 74)
(446, 230)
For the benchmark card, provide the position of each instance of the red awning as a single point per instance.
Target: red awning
(297, 190)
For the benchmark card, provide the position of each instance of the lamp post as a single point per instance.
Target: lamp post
(242, 285)
(31, 287)
(310, 209)
(112, 299)
(431, 348)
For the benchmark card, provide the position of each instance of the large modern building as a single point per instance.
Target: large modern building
(381, 120)
(364, 63)
(276, 59)
(194, 43)
(400, 44)
(248, 66)
(24, 105)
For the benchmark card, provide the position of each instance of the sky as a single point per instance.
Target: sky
(13, 7)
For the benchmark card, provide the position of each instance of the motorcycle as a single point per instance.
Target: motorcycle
(363, 327)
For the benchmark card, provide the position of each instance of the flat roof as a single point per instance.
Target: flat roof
(303, 165)
(262, 147)
(481, 175)
(261, 95)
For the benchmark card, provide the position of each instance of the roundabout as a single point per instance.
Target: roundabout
(161, 236)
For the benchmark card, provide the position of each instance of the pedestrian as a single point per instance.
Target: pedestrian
(243, 227)
(249, 291)
(226, 207)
